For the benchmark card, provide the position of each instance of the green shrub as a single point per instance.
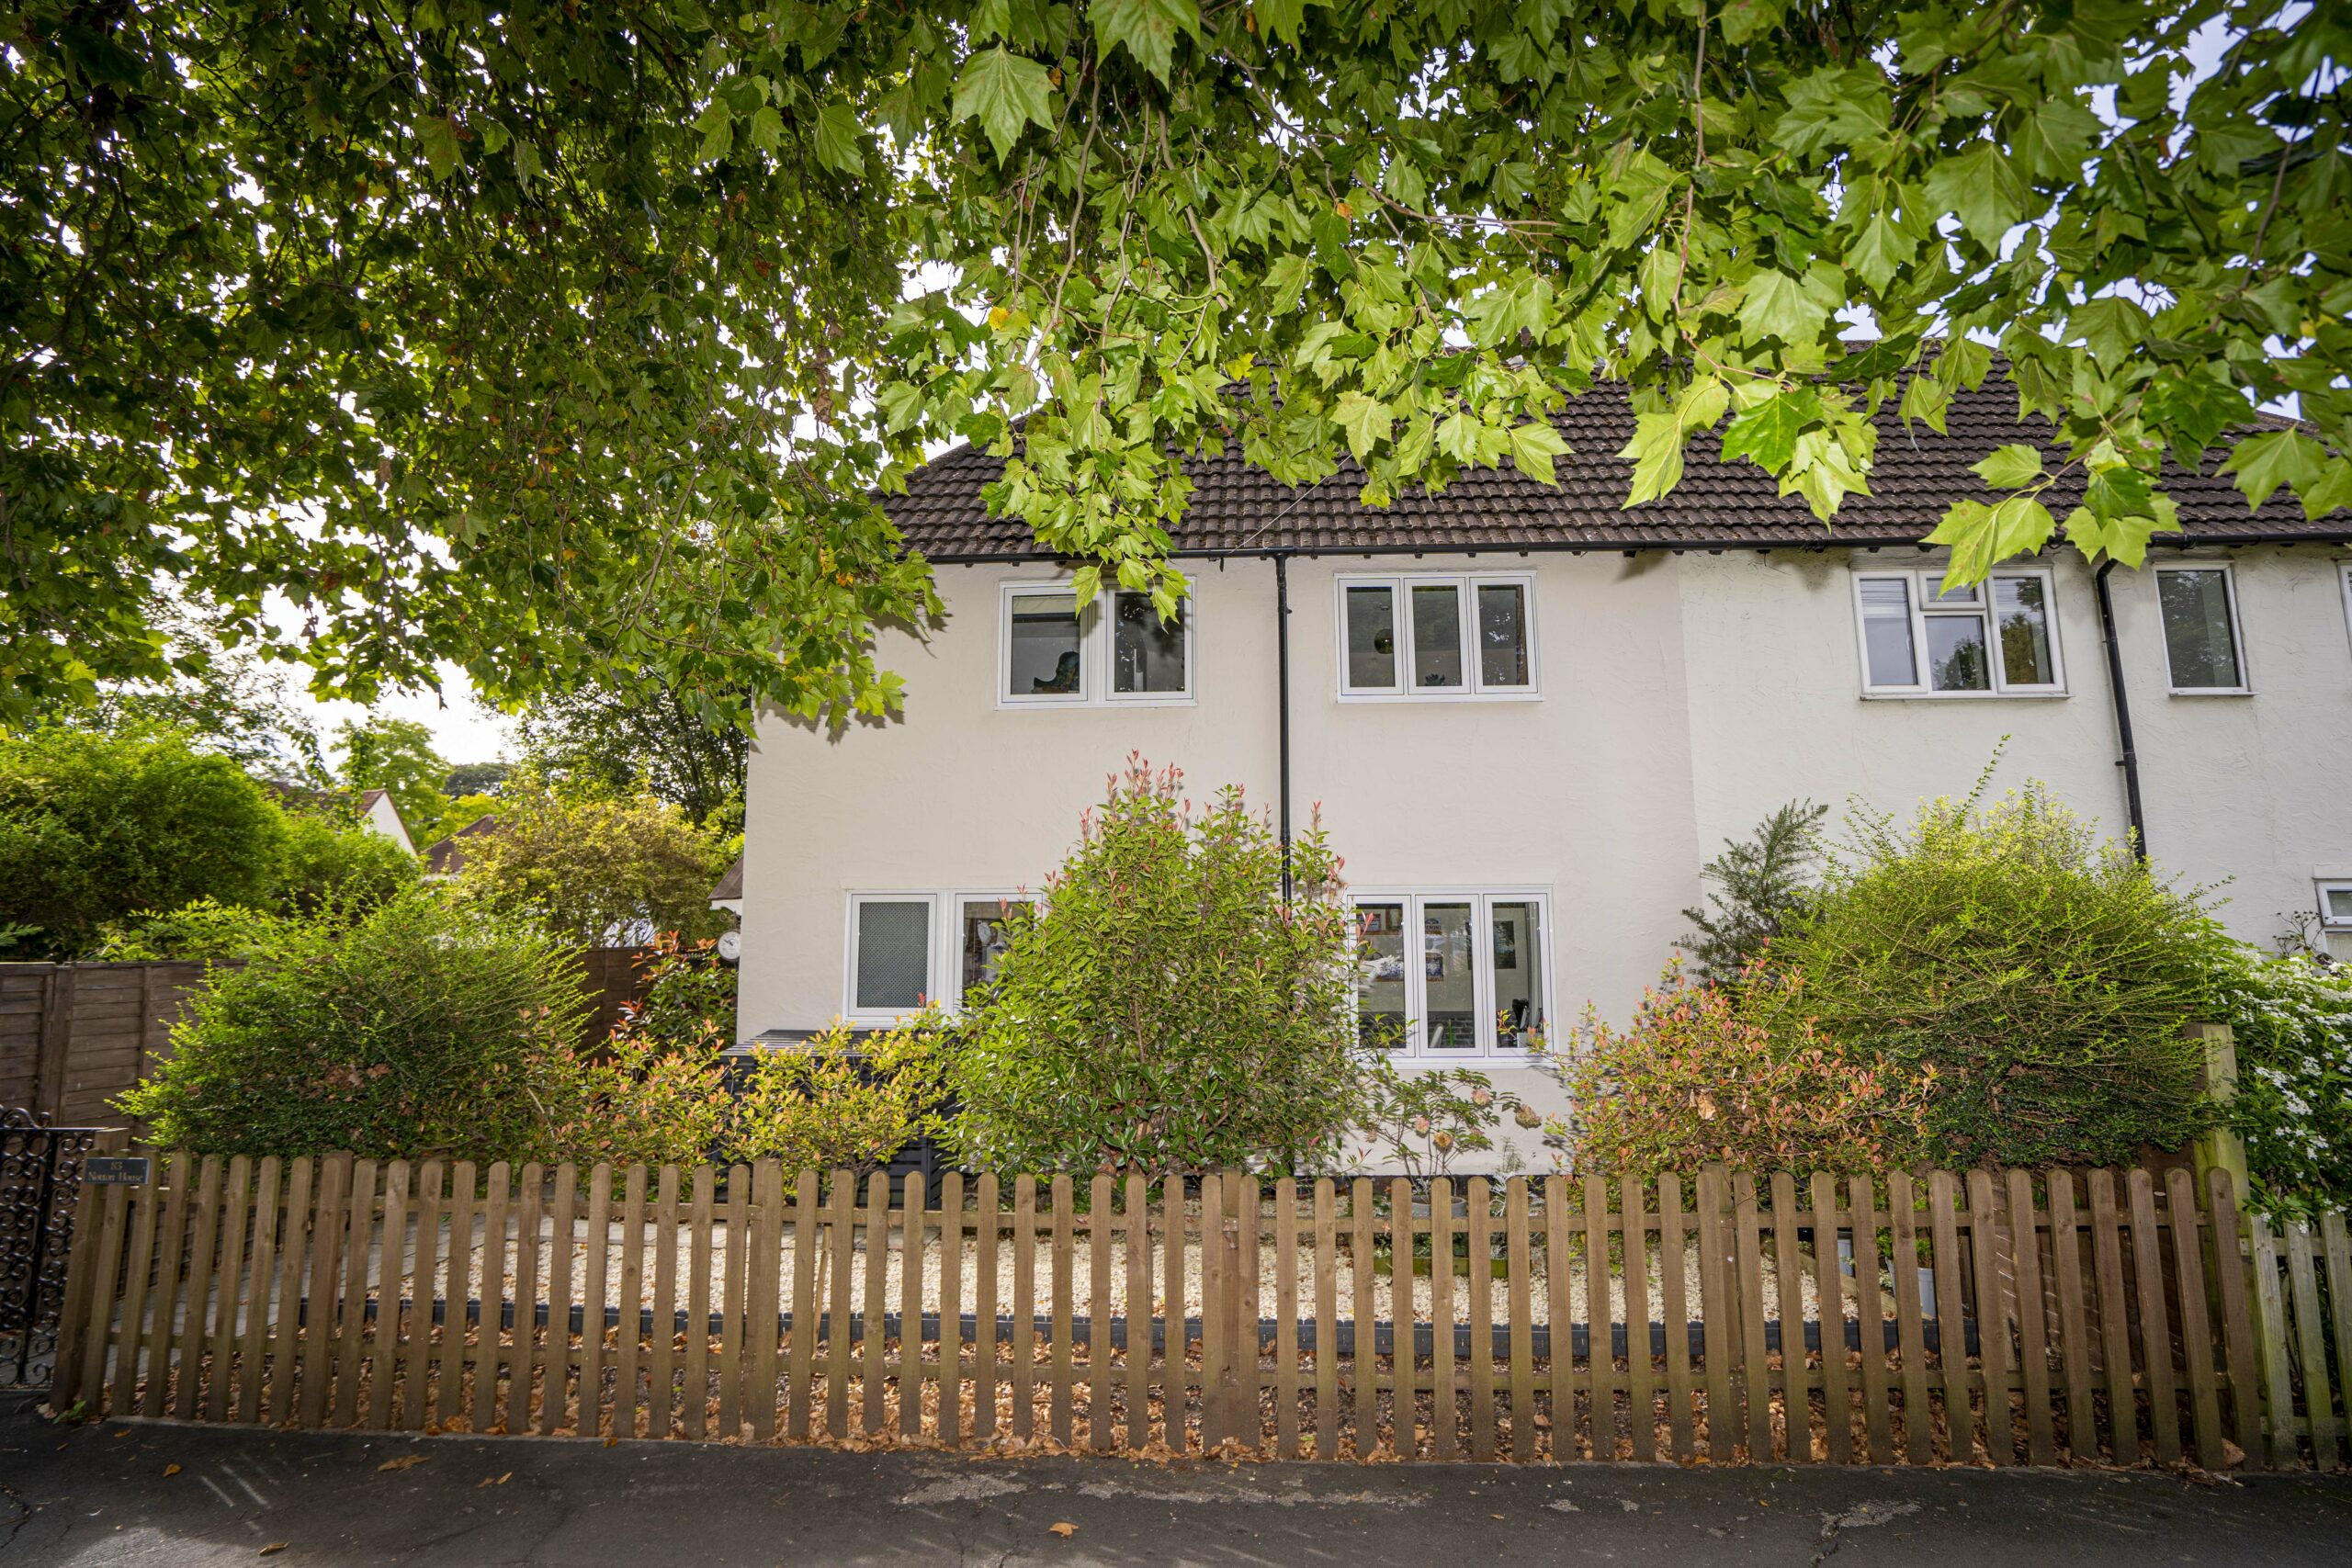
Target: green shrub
(839, 1102)
(334, 859)
(202, 929)
(587, 864)
(2044, 974)
(1714, 1072)
(2294, 1024)
(1760, 887)
(1421, 1122)
(95, 827)
(425, 1027)
(1166, 1010)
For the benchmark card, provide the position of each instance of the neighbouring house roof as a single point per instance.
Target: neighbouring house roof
(382, 814)
(729, 894)
(447, 857)
(1239, 509)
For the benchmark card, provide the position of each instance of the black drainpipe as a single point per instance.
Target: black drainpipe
(2130, 761)
(1282, 695)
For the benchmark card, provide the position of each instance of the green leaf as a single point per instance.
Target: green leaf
(1981, 186)
(1146, 29)
(2054, 136)
(2331, 491)
(2276, 457)
(2010, 467)
(1533, 445)
(1365, 418)
(1980, 536)
(1280, 19)
(1766, 434)
(837, 138)
(1779, 306)
(2111, 325)
(1007, 92)
(1656, 452)
(1703, 402)
(1879, 250)
(440, 135)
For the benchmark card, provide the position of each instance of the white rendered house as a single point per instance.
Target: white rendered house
(1527, 717)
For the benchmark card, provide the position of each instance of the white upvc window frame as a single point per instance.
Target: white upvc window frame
(1465, 584)
(2322, 887)
(952, 934)
(857, 900)
(1482, 899)
(2244, 688)
(1097, 634)
(943, 953)
(1921, 584)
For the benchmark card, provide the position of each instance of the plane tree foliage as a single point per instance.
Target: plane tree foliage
(554, 341)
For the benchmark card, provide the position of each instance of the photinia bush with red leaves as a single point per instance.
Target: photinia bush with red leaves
(1732, 1073)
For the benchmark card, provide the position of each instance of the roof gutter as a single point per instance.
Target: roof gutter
(1715, 544)
(2130, 761)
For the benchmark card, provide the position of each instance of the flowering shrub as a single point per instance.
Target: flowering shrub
(1420, 1123)
(2294, 1024)
(1167, 1011)
(1709, 1072)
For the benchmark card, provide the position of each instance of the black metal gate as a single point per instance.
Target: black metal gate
(40, 1177)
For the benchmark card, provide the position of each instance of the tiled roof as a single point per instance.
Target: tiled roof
(447, 857)
(1239, 509)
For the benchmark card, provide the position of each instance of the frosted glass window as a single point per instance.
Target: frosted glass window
(893, 956)
(1886, 631)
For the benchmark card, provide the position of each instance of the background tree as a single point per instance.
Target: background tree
(220, 698)
(595, 868)
(641, 735)
(475, 779)
(395, 755)
(1760, 885)
(549, 339)
(95, 828)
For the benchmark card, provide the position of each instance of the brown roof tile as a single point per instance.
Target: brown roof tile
(1239, 509)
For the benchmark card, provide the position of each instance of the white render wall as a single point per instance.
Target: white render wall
(1683, 698)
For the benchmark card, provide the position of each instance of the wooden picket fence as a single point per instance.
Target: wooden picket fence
(2004, 1317)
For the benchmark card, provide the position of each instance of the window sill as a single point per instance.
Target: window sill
(1965, 696)
(1467, 697)
(2208, 692)
(1094, 705)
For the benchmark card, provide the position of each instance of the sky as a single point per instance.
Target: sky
(465, 728)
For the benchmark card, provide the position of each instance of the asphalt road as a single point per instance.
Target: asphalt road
(193, 1496)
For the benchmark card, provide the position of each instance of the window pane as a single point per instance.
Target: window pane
(2022, 606)
(2339, 905)
(1449, 982)
(1147, 653)
(1045, 646)
(1372, 638)
(1886, 631)
(988, 932)
(1956, 660)
(2196, 629)
(1952, 593)
(1502, 634)
(1437, 635)
(1517, 934)
(893, 954)
(1380, 976)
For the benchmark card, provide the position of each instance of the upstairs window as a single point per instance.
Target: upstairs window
(1998, 637)
(1437, 638)
(1117, 649)
(2336, 906)
(2202, 651)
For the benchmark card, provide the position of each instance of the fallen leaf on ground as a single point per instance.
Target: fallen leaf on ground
(170, 1471)
(404, 1461)
(497, 1480)
(1064, 1530)
(273, 1548)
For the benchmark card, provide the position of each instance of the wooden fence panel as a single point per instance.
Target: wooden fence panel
(2074, 1327)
